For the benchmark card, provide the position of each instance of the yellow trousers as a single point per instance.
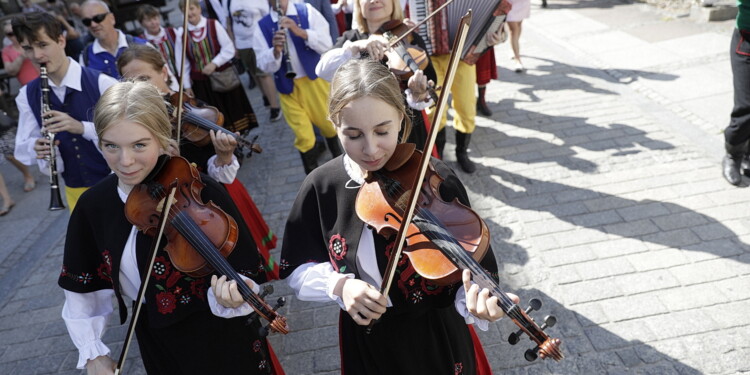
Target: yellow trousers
(306, 106)
(72, 195)
(464, 100)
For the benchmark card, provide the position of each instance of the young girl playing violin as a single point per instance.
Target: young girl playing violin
(329, 253)
(185, 326)
(215, 158)
(368, 40)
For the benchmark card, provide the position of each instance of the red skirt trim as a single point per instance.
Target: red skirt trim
(486, 67)
(483, 366)
(263, 236)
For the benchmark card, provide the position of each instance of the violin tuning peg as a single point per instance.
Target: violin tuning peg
(513, 339)
(534, 305)
(549, 321)
(267, 289)
(263, 331)
(531, 355)
(279, 303)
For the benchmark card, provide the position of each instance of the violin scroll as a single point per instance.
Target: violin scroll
(546, 346)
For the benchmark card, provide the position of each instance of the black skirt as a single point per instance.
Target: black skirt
(436, 341)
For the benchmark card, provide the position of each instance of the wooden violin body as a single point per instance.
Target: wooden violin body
(381, 204)
(200, 235)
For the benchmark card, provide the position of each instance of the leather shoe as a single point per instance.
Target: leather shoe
(731, 169)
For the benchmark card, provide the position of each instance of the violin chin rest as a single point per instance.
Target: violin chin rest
(401, 155)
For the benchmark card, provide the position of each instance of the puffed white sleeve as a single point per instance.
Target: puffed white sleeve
(316, 281)
(460, 303)
(85, 316)
(331, 60)
(318, 35)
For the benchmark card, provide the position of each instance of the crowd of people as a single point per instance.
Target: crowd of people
(107, 96)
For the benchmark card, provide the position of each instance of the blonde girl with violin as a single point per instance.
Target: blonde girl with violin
(330, 254)
(189, 325)
(216, 158)
(368, 40)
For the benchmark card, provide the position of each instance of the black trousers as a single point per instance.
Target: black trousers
(738, 130)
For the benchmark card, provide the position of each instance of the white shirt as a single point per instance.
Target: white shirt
(318, 39)
(335, 57)
(227, 46)
(156, 39)
(316, 281)
(29, 130)
(86, 314)
(245, 14)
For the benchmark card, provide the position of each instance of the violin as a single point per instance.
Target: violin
(380, 203)
(441, 238)
(199, 118)
(199, 235)
(403, 57)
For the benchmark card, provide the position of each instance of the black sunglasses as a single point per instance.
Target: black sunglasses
(97, 18)
(9, 34)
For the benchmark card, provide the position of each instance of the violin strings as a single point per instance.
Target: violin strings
(214, 258)
(440, 233)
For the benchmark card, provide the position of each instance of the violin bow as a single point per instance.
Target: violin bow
(182, 69)
(458, 44)
(144, 281)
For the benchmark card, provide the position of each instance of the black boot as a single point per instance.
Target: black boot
(309, 160)
(482, 104)
(440, 143)
(745, 165)
(462, 152)
(732, 161)
(333, 146)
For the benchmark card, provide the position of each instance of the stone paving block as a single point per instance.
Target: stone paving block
(692, 297)
(616, 247)
(680, 220)
(695, 273)
(680, 323)
(301, 363)
(302, 341)
(581, 236)
(633, 307)
(565, 274)
(21, 334)
(731, 314)
(713, 231)
(589, 314)
(657, 259)
(547, 227)
(26, 350)
(567, 209)
(602, 268)
(327, 359)
(675, 238)
(327, 316)
(647, 281)
(589, 291)
(643, 211)
(734, 288)
(568, 255)
(632, 228)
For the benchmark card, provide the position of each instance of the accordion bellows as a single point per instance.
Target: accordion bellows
(439, 32)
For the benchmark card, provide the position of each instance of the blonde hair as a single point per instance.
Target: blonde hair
(358, 78)
(397, 14)
(138, 102)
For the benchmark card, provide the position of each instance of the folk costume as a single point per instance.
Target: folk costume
(486, 71)
(96, 57)
(303, 99)
(166, 42)
(103, 256)
(341, 53)
(81, 164)
(737, 133)
(209, 42)
(425, 330)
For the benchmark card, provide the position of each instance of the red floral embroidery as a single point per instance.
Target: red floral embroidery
(161, 268)
(165, 302)
(198, 288)
(458, 368)
(103, 271)
(174, 278)
(337, 246)
(283, 264)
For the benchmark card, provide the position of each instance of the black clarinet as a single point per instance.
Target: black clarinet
(289, 69)
(55, 202)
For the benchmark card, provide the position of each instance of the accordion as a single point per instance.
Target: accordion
(440, 30)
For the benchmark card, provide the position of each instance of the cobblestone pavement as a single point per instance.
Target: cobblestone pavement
(600, 183)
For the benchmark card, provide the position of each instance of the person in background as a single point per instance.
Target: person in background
(28, 7)
(305, 33)
(244, 16)
(210, 49)
(324, 7)
(521, 9)
(109, 42)
(736, 135)
(74, 90)
(18, 65)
